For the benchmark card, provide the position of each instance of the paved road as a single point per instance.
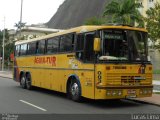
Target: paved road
(14, 99)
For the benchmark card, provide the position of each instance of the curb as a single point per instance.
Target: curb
(6, 77)
(145, 102)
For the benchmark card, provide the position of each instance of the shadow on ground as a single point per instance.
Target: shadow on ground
(122, 103)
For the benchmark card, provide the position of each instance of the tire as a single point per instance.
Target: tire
(23, 81)
(75, 90)
(29, 82)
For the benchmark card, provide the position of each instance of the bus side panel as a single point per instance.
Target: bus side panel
(87, 84)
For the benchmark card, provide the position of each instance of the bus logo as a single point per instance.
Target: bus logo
(45, 60)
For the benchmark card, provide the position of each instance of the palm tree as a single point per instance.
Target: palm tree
(19, 25)
(124, 12)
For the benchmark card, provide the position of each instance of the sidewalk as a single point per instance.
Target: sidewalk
(6, 74)
(155, 99)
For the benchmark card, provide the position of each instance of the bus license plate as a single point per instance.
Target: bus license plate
(131, 96)
(131, 92)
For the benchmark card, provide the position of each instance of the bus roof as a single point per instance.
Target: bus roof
(80, 29)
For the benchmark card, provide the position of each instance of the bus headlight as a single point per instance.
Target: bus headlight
(145, 91)
(149, 91)
(119, 93)
(114, 92)
(108, 93)
(141, 92)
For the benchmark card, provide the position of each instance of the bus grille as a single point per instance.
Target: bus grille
(125, 80)
(130, 80)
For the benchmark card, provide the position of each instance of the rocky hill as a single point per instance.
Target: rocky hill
(74, 13)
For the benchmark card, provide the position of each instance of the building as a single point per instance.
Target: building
(28, 32)
(146, 5)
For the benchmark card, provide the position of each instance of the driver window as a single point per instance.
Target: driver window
(89, 41)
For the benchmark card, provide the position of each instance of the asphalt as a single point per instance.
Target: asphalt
(14, 99)
(155, 99)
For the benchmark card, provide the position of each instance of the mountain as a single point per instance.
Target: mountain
(74, 13)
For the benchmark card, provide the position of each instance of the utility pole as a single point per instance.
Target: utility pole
(21, 12)
(3, 46)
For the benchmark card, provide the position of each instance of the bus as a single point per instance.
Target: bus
(95, 62)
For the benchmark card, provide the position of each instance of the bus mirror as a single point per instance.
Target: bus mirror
(96, 44)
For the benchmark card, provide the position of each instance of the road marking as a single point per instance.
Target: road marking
(32, 105)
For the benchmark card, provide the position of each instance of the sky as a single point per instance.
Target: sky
(34, 11)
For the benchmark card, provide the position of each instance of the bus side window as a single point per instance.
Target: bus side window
(23, 50)
(67, 43)
(40, 47)
(89, 40)
(17, 50)
(31, 48)
(52, 45)
(80, 46)
(37, 47)
(55, 44)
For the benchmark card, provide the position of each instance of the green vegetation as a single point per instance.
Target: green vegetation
(19, 25)
(126, 12)
(9, 46)
(156, 92)
(95, 21)
(123, 12)
(153, 24)
(156, 72)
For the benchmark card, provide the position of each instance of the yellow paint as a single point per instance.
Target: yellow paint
(54, 75)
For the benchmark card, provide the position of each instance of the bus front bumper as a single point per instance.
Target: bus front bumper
(119, 92)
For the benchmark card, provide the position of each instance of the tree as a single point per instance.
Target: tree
(124, 12)
(153, 24)
(19, 25)
(9, 47)
(95, 21)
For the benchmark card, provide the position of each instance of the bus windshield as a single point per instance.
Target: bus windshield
(124, 45)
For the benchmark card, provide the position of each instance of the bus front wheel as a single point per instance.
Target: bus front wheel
(75, 90)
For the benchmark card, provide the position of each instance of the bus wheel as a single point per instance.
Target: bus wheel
(28, 82)
(23, 81)
(75, 90)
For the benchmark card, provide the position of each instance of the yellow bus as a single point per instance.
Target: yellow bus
(95, 62)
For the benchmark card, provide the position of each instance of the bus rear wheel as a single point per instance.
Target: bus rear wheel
(75, 90)
(28, 82)
(23, 81)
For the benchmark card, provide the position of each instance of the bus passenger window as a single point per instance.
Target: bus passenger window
(17, 50)
(49, 46)
(53, 45)
(89, 53)
(67, 43)
(40, 47)
(80, 46)
(31, 48)
(23, 49)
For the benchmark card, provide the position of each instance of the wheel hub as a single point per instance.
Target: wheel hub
(74, 89)
(23, 80)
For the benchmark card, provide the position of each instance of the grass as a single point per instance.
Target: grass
(156, 72)
(156, 92)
